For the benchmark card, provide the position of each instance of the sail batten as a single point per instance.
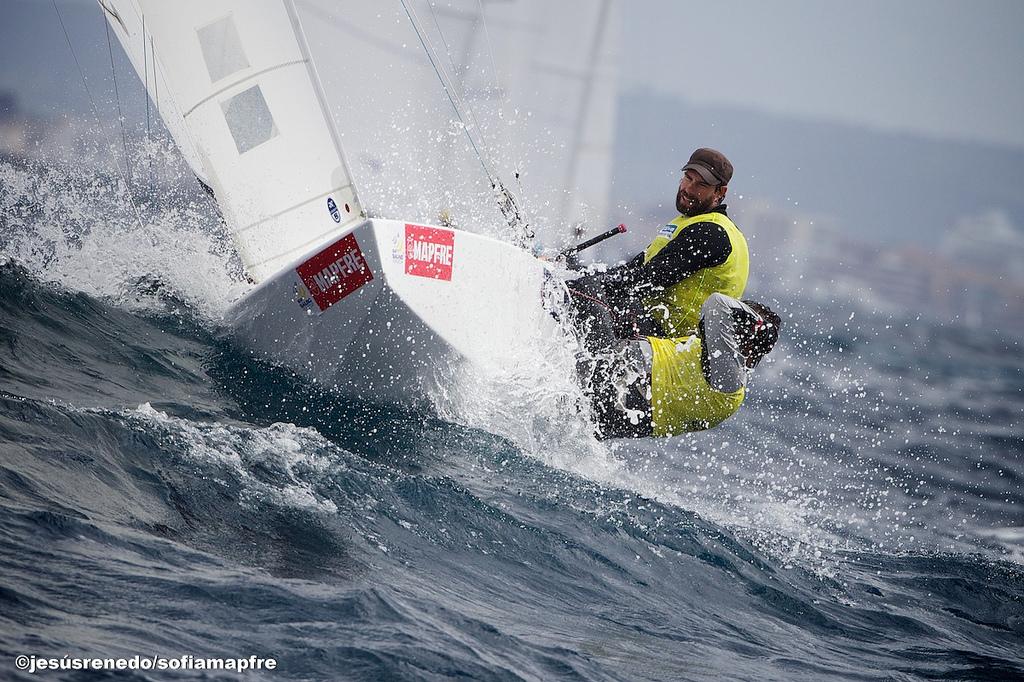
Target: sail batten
(239, 82)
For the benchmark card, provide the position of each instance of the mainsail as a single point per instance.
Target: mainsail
(236, 87)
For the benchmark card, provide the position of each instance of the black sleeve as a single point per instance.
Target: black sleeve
(702, 245)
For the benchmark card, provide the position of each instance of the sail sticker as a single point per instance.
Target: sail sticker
(333, 208)
(335, 272)
(429, 252)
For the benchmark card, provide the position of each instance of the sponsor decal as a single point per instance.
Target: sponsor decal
(333, 208)
(668, 230)
(335, 272)
(302, 297)
(398, 249)
(429, 252)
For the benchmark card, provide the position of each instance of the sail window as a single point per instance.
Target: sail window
(249, 119)
(222, 48)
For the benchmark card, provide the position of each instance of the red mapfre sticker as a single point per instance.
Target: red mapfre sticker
(335, 272)
(429, 252)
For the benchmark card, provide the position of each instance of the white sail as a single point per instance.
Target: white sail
(235, 85)
(537, 83)
(577, 98)
(558, 59)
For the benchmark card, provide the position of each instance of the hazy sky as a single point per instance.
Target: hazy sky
(952, 68)
(943, 67)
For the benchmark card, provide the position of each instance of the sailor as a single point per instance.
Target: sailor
(659, 292)
(654, 386)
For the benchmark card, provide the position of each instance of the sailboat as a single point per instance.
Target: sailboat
(380, 309)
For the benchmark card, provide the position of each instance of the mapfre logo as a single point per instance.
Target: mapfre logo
(429, 252)
(335, 272)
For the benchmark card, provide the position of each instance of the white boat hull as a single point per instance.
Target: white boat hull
(390, 311)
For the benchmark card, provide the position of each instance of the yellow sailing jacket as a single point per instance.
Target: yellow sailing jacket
(678, 307)
(681, 398)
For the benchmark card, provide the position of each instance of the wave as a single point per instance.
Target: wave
(159, 489)
(439, 560)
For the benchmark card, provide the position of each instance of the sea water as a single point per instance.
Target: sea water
(174, 508)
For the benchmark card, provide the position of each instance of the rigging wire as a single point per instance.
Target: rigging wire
(117, 98)
(506, 200)
(95, 110)
(156, 82)
(456, 92)
(501, 96)
(145, 70)
(528, 234)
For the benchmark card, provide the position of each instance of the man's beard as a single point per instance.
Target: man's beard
(689, 210)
